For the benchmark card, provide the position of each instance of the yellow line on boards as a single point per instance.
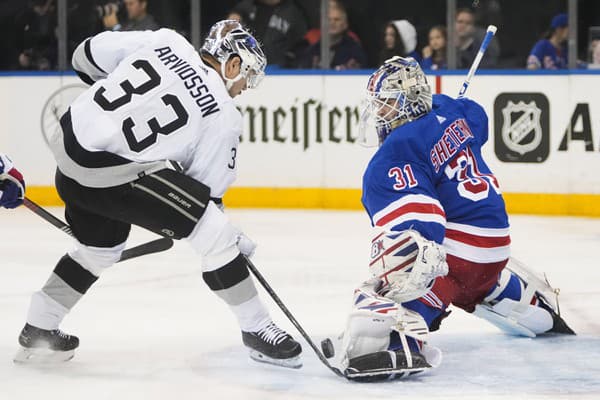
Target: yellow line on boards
(349, 199)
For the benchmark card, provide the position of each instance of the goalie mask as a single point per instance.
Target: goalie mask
(227, 39)
(397, 93)
(406, 264)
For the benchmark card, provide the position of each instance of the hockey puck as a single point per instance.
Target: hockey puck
(327, 348)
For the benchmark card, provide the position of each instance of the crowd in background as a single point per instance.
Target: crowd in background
(362, 34)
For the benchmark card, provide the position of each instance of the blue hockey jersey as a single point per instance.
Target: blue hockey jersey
(429, 175)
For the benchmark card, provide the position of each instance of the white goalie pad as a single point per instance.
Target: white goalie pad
(535, 282)
(520, 318)
(516, 319)
(406, 263)
(372, 320)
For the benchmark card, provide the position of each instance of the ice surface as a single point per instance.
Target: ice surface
(151, 329)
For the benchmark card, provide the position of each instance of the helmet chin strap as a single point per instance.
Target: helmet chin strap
(229, 82)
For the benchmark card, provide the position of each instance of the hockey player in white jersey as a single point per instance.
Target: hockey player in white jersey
(12, 184)
(153, 142)
(443, 232)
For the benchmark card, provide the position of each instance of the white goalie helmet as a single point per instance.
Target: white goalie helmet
(406, 264)
(397, 93)
(228, 38)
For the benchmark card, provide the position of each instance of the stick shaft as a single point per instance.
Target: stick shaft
(491, 30)
(290, 316)
(153, 246)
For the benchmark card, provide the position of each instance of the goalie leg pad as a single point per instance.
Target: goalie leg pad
(518, 308)
(509, 317)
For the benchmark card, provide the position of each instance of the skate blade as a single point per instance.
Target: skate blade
(42, 356)
(294, 362)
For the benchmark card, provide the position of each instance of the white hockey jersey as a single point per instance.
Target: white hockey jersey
(152, 99)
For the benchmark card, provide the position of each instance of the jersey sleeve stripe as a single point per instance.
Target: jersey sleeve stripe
(475, 230)
(426, 212)
(474, 253)
(408, 217)
(88, 54)
(411, 198)
(476, 240)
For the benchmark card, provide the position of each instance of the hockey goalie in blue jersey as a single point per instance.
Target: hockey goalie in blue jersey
(443, 231)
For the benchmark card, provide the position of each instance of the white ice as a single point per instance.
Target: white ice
(151, 329)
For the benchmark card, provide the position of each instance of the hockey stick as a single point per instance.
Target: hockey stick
(155, 246)
(293, 320)
(489, 34)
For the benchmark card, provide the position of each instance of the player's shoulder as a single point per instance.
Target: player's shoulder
(171, 36)
(470, 107)
(447, 108)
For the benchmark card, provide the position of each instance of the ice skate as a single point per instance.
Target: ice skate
(272, 345)
(45, 346)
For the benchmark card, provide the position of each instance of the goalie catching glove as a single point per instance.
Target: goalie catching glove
(406, 264)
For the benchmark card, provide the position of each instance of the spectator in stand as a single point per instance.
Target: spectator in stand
(468, 40)
(434, 54)
(138, 18)
(37, 40)
(346, 52)
(594, 57)
(399, 39)
(314, 35)
(551, 52)
(278, 24)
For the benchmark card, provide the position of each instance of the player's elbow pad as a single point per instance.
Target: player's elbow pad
(84, 64)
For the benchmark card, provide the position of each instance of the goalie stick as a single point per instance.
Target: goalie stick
(489, 34)
(154, 246)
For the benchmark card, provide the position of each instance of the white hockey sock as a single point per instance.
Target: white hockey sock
(252, 315)
(44, 312)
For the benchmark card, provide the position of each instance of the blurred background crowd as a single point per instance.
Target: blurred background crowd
(533, 34)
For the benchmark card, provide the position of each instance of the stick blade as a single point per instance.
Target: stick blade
(155, 246)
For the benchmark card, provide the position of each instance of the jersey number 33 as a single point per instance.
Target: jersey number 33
(169, 100)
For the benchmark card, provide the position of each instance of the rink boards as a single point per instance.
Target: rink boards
(299, 144)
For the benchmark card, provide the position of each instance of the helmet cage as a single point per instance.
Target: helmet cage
(236, 42)
(397, 93)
